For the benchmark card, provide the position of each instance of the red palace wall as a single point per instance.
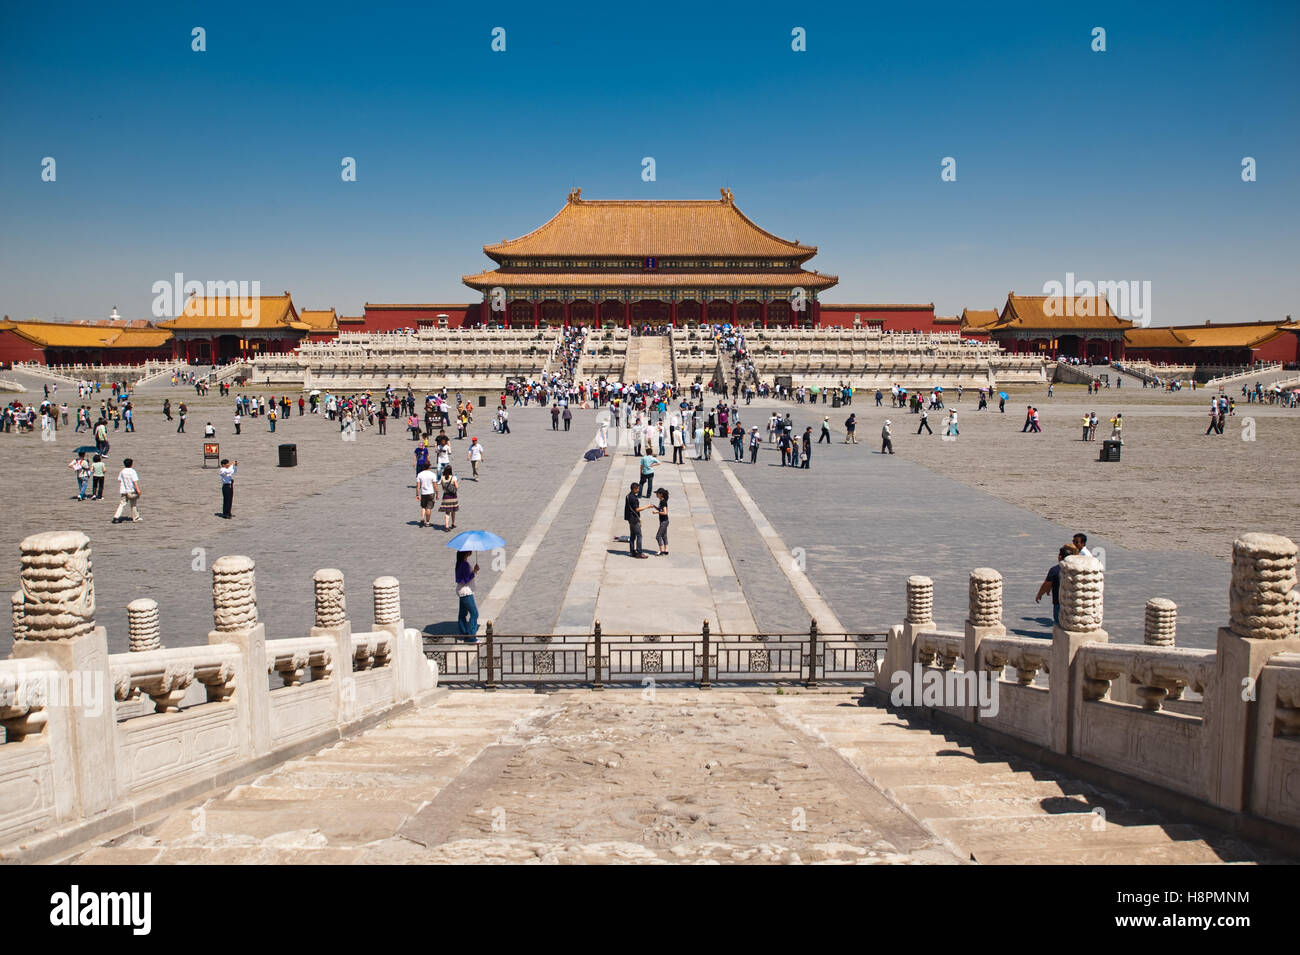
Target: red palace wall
(13, 347)
(382, 319)
(889, 319)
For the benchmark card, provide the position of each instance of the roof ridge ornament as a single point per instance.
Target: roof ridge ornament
(575, 195)
(728, 196)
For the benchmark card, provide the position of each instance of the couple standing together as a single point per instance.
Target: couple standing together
(632, 509)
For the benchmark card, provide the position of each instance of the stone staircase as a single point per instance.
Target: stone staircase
(684, 775)
(995, 808)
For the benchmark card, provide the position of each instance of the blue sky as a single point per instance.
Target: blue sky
(224, 165)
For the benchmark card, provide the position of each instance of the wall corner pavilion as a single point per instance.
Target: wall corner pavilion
(655, 262)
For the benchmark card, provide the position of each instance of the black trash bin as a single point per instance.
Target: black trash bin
(288, 455)
(1110, 450)
(482, 401)
(835, 400)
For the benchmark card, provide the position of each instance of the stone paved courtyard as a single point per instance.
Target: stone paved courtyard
(856, 524)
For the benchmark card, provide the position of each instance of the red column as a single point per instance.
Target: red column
(672, 314)
(537, 314)
(733, 313)
(627, 314)
(568, 313)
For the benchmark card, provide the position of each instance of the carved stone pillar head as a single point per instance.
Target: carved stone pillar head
(331, 606)
(1161, 623)
(1263, 576)
(234, 594)
(1081, 594)
(920, 599)
(985, 607)
(56, 599)
(142, 624)
(388, 603)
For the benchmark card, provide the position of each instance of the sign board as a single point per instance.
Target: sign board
(211, 452)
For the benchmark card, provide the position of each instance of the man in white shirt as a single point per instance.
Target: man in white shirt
(129, 487)
(227, 474)
(426, 491)
(474, 455)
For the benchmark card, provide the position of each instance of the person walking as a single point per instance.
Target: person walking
(450, 488)
(227, 473)
(755, 442)
(661, 509)
(1087, 423)
(851, 429)
(807, 449)
(1052, 583)
(97, 472)
(952, 423)
(886, 442)
(567, 415)
(426, 492)
(925, 422)
(467, 612)
(81, 471)
(648, 464)
(784, 444)
(679, 444)
(555, 417)
(632, 514)
(1117, 428)
(474, 455)
(826, 430)
(129, 486)
(237, 419)
(182, 413)
(167, 408)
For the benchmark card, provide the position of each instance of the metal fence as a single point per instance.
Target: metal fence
(598, 659)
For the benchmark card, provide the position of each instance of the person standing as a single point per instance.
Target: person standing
(467, 613)
(568, 417)
(678, 443)
(182, 412)
(807, 449)
(81, 471)
(851, 429)
(952, 423)
(755, 442)
(1087, 422)
(632, 514)
(270, 418)
(237, 422)
(474, 455)
(227, 474)
(886, 442)
(555, 417)
(1117, 428)
(826, 427)
(167, 408)
(450, 487)
(661, 509)
(426, 491)
(129, 486)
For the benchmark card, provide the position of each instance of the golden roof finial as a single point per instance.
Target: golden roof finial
(575, 195)
(727, 195)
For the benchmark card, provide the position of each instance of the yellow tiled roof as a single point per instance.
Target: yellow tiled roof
(978, 318)
(874, 307)
(1031, 311)
(611, 280)
(650, 227)
(79, 335)
(1239, 335)
(319, 319)
(266, 311)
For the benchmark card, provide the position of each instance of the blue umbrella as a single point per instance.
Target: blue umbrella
(475, 540)
(1003, 395)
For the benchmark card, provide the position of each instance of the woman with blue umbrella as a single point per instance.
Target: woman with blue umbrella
(465, 544)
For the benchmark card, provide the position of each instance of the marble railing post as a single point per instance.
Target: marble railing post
(142, 625)
(57, 590)
(983, 619)
(234, 612)
(900, 650)
(332, 621)
(1261, 623)
(1082, 583)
